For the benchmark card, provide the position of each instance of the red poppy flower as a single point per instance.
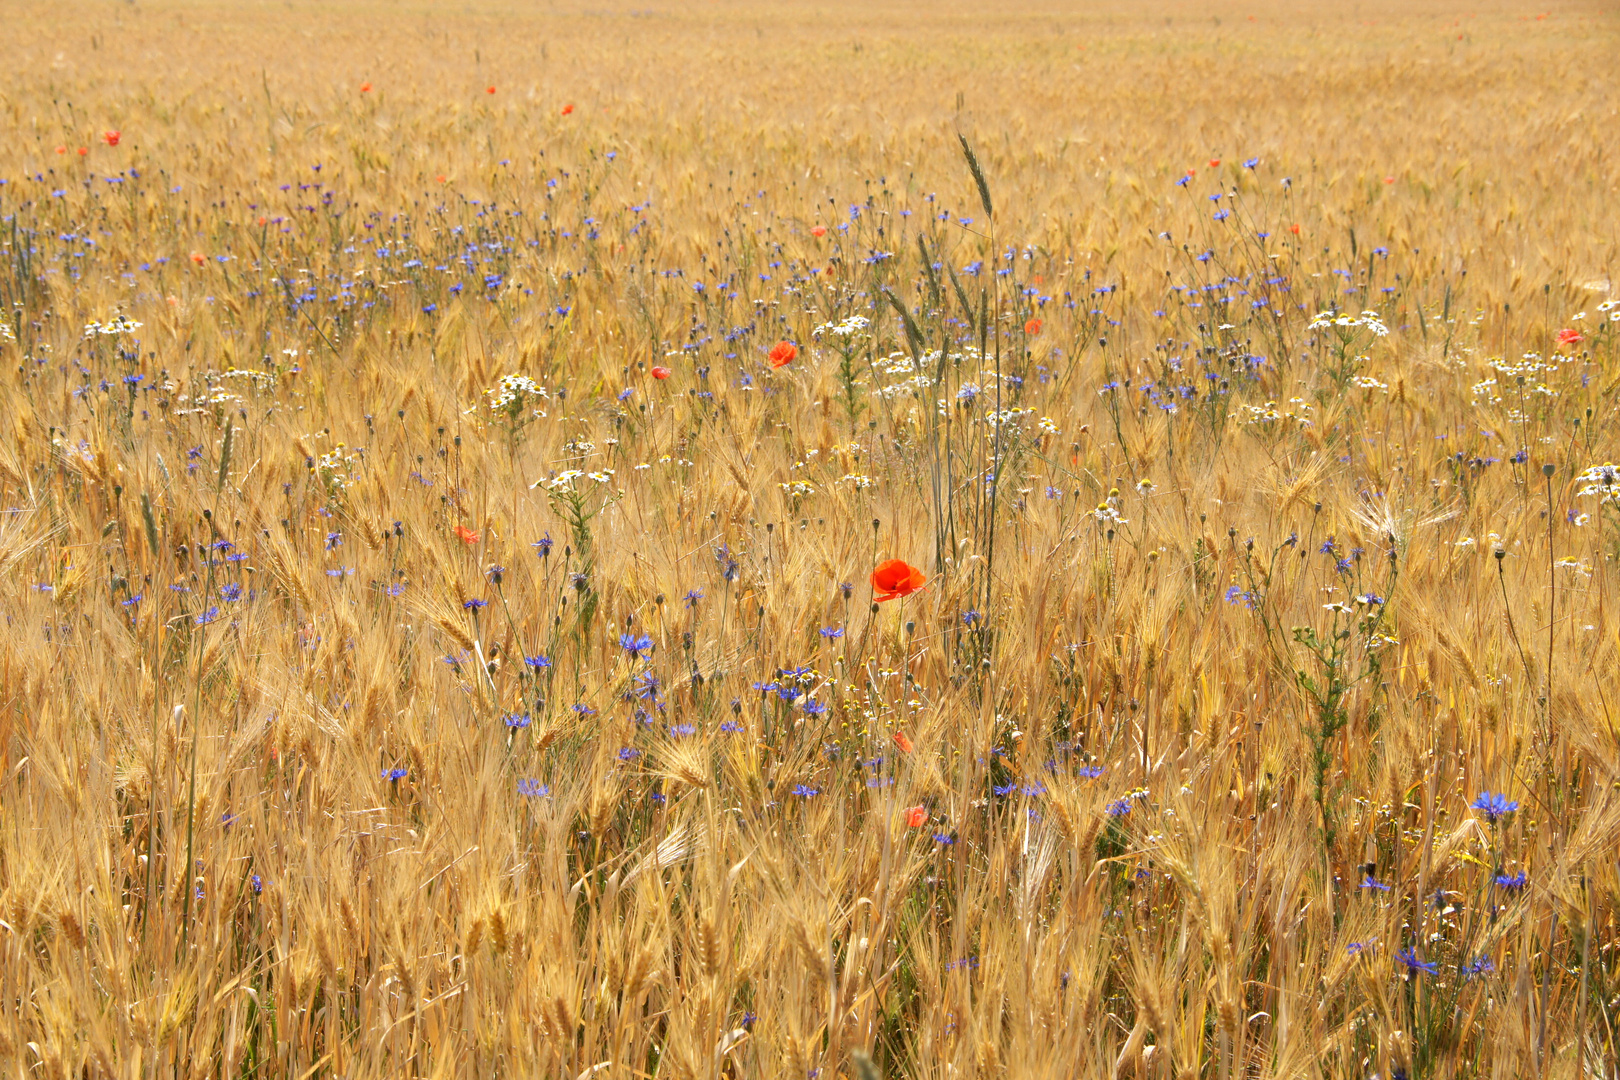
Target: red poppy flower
(263, 220)
(1032, 327)
(467, 535)
(818, 230)
(1389, 179)
(83, 150)
(365, 88)
(61, 149)
(490, 90)
(110, 137)
(1294, 229)
(1569, 337)
(567, 109)
(197, 257)
(917, 817)
(441, 178)
(903, 742)
(661, 373)
(782, 353)
(896, 577)
(1214, 162)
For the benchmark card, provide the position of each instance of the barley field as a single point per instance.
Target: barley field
(750, 539)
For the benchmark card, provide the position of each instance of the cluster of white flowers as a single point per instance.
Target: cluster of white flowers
(1613, 308)
(996, 419)
(261, 379)
(334, 465)
(513, 389)
(854, 324)
(5, 332)
(1048, 425)
(1342, 321)
(1367, 382)
(797, 488)
(568, 476)
(118, 324)
(1297, 410)
(860, 481)
(1602, 481)
(1107, 512)
(216, 395)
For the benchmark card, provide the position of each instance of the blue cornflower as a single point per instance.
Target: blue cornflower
(1356, 948)
(256, 883)
(207, 617)
(395, 774)
(474, 605)
(584, 709)
(1370, 882)
(647, 686)
(1494, 807)
(1251, 163)
(533, 787)
(814, 707)
(542, 546)
(969, 618)
(678, 731)
(628, 752)
(132, 601)
(539, 663)
(1002, 789)
(1119, 808)
(334, 539)
(230, 592)
(1513, 883)
(1089, 772)
(692, 597)
(635, 645)
(731, 726)
(944, 838)
(1408, 959)
(1327, 546)
(830, 632)
(805, 791)
(517, 720)
(1480, 965)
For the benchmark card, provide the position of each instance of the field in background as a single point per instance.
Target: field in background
(440, 643)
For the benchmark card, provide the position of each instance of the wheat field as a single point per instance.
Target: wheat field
(743, 539)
